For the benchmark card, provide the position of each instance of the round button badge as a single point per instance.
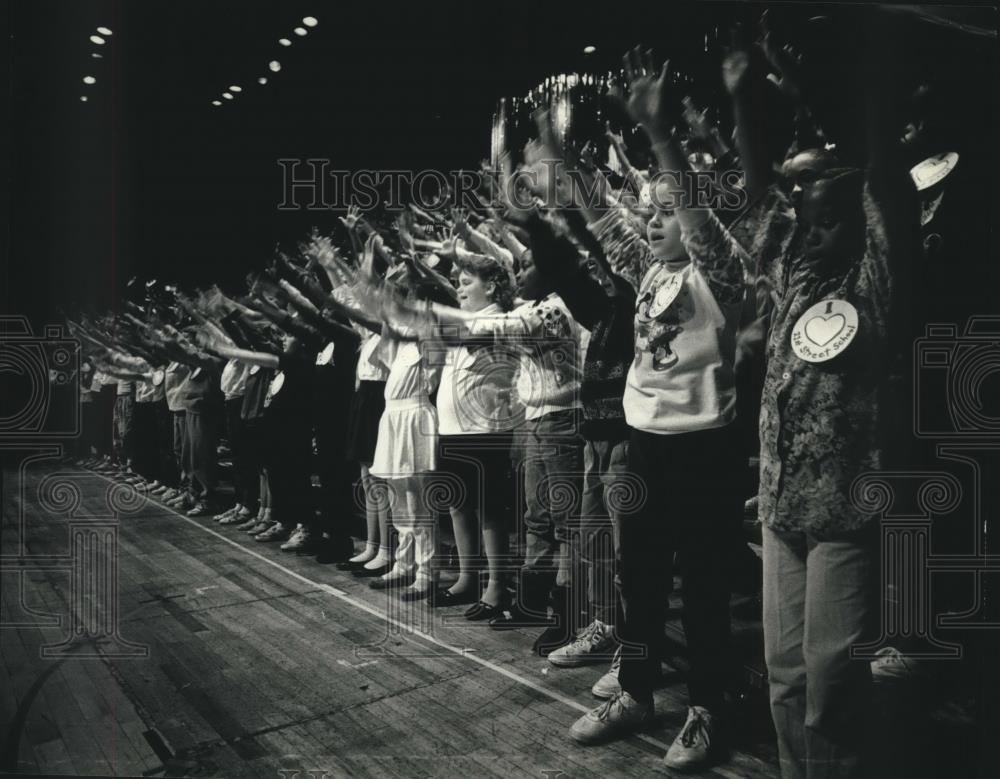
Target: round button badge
(825, 330)
(666, 295)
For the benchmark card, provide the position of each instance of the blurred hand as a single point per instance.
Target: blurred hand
(648, 102)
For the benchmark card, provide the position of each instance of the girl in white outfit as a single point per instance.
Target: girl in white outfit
(405, 453)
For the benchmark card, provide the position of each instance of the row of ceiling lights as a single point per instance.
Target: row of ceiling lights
(274, 65)
(99, 38)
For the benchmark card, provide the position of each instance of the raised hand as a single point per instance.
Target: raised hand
(372, 245)
(649, 100)
(615, 139)
(696, 120)
(351, 218)
(460, 222)
(736, 71)
(785, 59)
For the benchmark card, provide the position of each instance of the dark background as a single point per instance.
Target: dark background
(148, 178)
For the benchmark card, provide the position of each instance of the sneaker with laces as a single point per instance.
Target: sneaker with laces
(619, 716)
(225, 514)
(260, 526)
(277, 532)
(250, 522)
(183, 503)
(237, 518)
(593, 644)
(891, 664)
(199, 510)
(299, 540)
(693, 749)
(608, 685)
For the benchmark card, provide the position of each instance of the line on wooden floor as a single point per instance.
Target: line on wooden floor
(362, 606)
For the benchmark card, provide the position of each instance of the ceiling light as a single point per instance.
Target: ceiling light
(284, 41)
(104, 31)
(300, 31)
(83, 98)
(227, 96)
(89, 80)
(96, 56)
(262, 80)
(274, 65)
(589, 49)
(235, 89)
(216, 102)
(310, 21)
(97, 39)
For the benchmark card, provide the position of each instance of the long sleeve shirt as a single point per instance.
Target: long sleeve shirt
(822, 423)
(682, 377)
(550, 344)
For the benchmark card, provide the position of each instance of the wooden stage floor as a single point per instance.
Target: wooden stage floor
(261, 663)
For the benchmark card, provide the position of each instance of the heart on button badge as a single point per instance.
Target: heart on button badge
(823, 329)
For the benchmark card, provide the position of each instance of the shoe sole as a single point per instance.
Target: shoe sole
(615, 736)
(559, 662)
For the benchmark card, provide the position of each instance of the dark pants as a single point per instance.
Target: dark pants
(336, 473)
(201, 460)
(254, 448)
(124, 429)
(91, 440)
(236, 435)
(288, 461)
(181, 449)
(168, 472)
(692, 503)
(145, 457)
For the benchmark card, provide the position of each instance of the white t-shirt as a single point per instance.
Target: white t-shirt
(474, 393)
(370, 369)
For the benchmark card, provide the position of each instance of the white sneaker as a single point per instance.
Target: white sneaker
(620, 716)
(594, 644)
(298, 540)
(608, 686)
(693, 749)
(276, 532)
(890, 664)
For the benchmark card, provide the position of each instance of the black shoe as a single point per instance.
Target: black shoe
(443, 598)
(393, 582)
(367, 573)
(347, 565)
(563, 630)
(411, 594)
(480, 612)
(509, 619)
(551, 639)
(333, 550)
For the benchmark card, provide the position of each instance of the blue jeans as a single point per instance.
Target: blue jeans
(606, 493)
(553, 475)
(819, 600)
